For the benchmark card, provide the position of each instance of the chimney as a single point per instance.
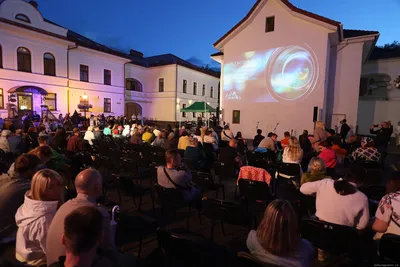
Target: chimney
(135, 53)
(34, 3)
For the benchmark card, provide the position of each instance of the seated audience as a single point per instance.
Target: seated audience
(89, 135)
(292, 152)
(107, 129)
(171, 142)
(59, 141)
(352, 144)
(226, 134)
(183, 129)
(210, 139)
(59, 161)
(197, 135)
(147, 136)
(269, 142)
(183, 141)
(33, 218)
(88, 184)
(277, 240)
(339, 201)
(174, 176)
(367, 151)
(75, 144)
(230, 158)
(387, 219)
(285, 140)
(81, 237)
(160, 139)
(31, 138)
(12, 191)
(241, 144)
(258, 138)
(336, 146)
(316, 171)
(97, 132)
(4, 145)
(115, 130)
(16, 143)
(195, 154)
(319, 134)
(327, 154)
(136, 137)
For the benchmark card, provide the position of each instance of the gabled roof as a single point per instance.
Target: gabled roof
(289, 5)
(357, 33)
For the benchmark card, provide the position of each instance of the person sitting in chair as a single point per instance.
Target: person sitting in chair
(173, 175)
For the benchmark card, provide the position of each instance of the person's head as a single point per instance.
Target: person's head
(226, 127)
(193, 142)
(367, 142)
(286, 134)
(139, 130)
(90, 129)
(83, 231)
(31, 130)
(324, 145)
(197, 132)
(347, 186)
(305, 132)
(173, 158)
(274, 137)
(209, 133)
(183, 128)
(26, 165)
(89, 182)
(6, 133)
(18, 132)
(238, 135)
(44, 153)
(259, 131)
(316, 166)
(330, 132)
(343, 121)
(393, 184)
(46, 185)
(42, 139)
(115, 126)
(76, 131)
(232, 143)
(384, 124)
(277, 232)
(294, 150)
(148, 130)
(171, 136)
(184, 133)
(320, 124)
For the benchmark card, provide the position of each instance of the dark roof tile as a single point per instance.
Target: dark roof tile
(347, 33)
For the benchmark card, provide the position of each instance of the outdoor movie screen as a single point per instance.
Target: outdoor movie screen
(287, 73)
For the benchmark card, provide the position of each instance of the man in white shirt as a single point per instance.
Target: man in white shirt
(226, 134)
(387, 216)
(269, 142)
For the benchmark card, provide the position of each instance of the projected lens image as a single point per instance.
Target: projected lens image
(291, 72)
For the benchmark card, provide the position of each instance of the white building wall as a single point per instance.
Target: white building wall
(289, 30)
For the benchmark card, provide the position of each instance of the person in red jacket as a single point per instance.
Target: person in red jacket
(327, 154)
(75, 143)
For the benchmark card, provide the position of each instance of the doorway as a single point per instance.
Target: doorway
(25, 103)
(132, 108)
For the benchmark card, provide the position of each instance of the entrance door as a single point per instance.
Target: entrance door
(25, 103)
(132, 108)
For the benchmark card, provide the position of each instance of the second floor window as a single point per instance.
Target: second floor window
(161, 85)
(184, 86)
(203, 93)
(49, 63)
(270, 24)
(1, 57)
(84, 73)
(211, 92)
(133, 85)
(24, 59)
(195, 88)
(107, 77)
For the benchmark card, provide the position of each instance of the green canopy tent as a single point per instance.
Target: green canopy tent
(198, 107)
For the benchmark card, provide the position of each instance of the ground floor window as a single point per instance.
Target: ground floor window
(25, 102)
(107, 105)
(183, 113)
(51, 101)
(1, 99)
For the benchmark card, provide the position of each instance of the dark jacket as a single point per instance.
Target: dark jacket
(344, 130)
(17, 144)
(257, 139)
(75, 144)
(382, 136)
(136, 139)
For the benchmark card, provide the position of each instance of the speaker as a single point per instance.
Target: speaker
(315, 115)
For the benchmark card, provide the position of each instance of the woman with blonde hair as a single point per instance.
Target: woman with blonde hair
(293, 152)
(319, 134)
(277, 240)
(89, 135)
(33, 218)
(316, 171)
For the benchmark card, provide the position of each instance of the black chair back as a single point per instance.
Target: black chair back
(169, 196)
(254, 190)
(291, 169)
(389, 247)
(226, 211)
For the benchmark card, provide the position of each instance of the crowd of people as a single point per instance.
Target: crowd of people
(50, 231)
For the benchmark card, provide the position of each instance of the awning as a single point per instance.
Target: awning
(28, 89)
(199, 107)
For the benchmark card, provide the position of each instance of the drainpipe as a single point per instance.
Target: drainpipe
(176, 90)
(125, 87)
(68, 49)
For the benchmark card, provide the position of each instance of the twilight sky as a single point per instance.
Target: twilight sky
(188, 28)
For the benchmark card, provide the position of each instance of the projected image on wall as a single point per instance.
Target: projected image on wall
(279, 74)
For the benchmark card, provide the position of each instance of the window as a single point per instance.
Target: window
(212, 92)
(51, 101)
(107, 77)
(161, 85)
(195, 88)
(25, 101)
(107, 105)
(194, 115)
(24, 59)
(184, 86)
(23, 18)
(133, 85)
(1, 57)
(270, 24)
(49, 64)
(204, 90)
(236, 117)
(1, 99)
(183, 113)
(84, 73)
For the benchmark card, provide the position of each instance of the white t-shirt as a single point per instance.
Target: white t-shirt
(227, 136)
(389, 211)
(351, 210)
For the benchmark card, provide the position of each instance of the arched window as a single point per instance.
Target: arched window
(133, 85)
(23, 18)
(1, 57)
(49, 64)
(24, 59)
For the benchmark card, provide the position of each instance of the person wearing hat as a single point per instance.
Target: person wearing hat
(387, 216)
(4, 145)
(367, 151)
